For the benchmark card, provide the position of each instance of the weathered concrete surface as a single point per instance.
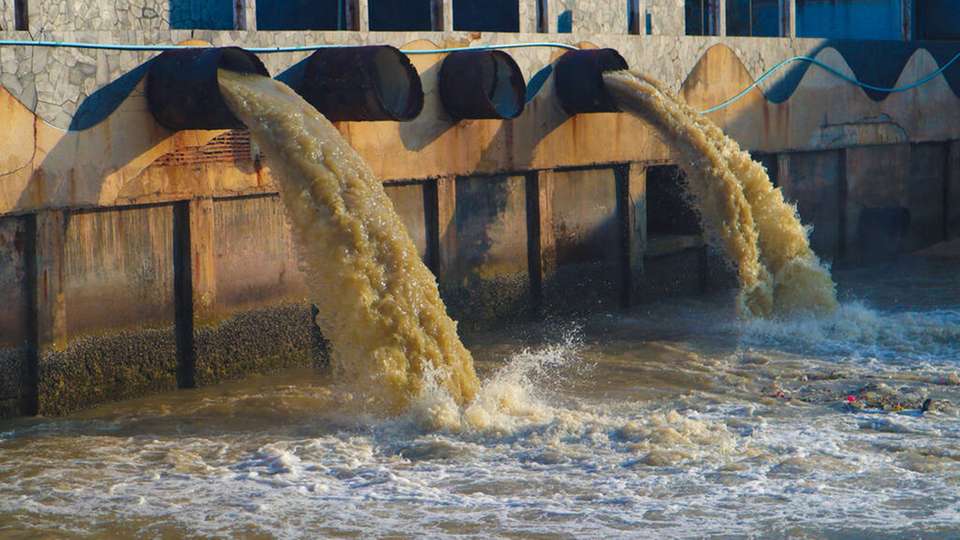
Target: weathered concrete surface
(814, 181)
(876, 201)
(484, 275)
(118, 268)
(582, 257)
(925, 184)
(251, 314)
(409, 200)
(116, 293)
(952, 195)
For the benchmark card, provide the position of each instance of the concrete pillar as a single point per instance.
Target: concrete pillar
(541, 243)
(203, 279)
(788, 18)
(633, 209)
(907, 7)
(719, 16)
(447, 16)
(436, 15)
(50, 313)
(245, 14)
(445, 236)
(362, 16)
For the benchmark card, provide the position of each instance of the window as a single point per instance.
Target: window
(850, 19)
(633, 17)
(204, 14)
(307, 15)
(486, 15)
(21, 19)
(937, 19)
(700, 17)
(753, 18)
(401, 15)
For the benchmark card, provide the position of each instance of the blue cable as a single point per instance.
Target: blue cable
(267, 50)
(306, 48)
(833, 71)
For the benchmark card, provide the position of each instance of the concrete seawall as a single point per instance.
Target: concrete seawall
(135, 260)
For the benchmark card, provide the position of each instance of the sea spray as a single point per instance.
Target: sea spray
(741, 211)
(379, 306)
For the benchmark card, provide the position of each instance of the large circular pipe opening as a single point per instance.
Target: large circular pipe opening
(578, 76)
(362, 84)
(482, 84)
(183, 91)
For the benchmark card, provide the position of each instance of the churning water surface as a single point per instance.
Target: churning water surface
(673, 420)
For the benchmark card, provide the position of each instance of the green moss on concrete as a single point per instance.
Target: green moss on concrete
(258, 341)
(107, 368)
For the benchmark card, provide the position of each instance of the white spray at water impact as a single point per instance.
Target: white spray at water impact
(379, 305)
(741, 212)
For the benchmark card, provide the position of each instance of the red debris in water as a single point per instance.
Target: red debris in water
(851, 399)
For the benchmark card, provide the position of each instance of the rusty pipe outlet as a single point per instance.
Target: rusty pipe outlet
(183, 91)
(482, 84)
(362, 84)
(578, 76)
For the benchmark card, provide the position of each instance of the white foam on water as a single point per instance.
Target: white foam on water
(529, 459)
(860, 332)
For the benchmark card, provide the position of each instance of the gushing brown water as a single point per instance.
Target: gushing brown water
(742, 213)
(379, 304)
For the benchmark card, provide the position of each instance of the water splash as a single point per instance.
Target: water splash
(379, 306)
(741, 211)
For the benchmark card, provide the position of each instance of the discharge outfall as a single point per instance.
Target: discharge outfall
(379, 306)
(742, 213)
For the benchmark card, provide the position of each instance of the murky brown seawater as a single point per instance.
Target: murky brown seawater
(672, 420)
